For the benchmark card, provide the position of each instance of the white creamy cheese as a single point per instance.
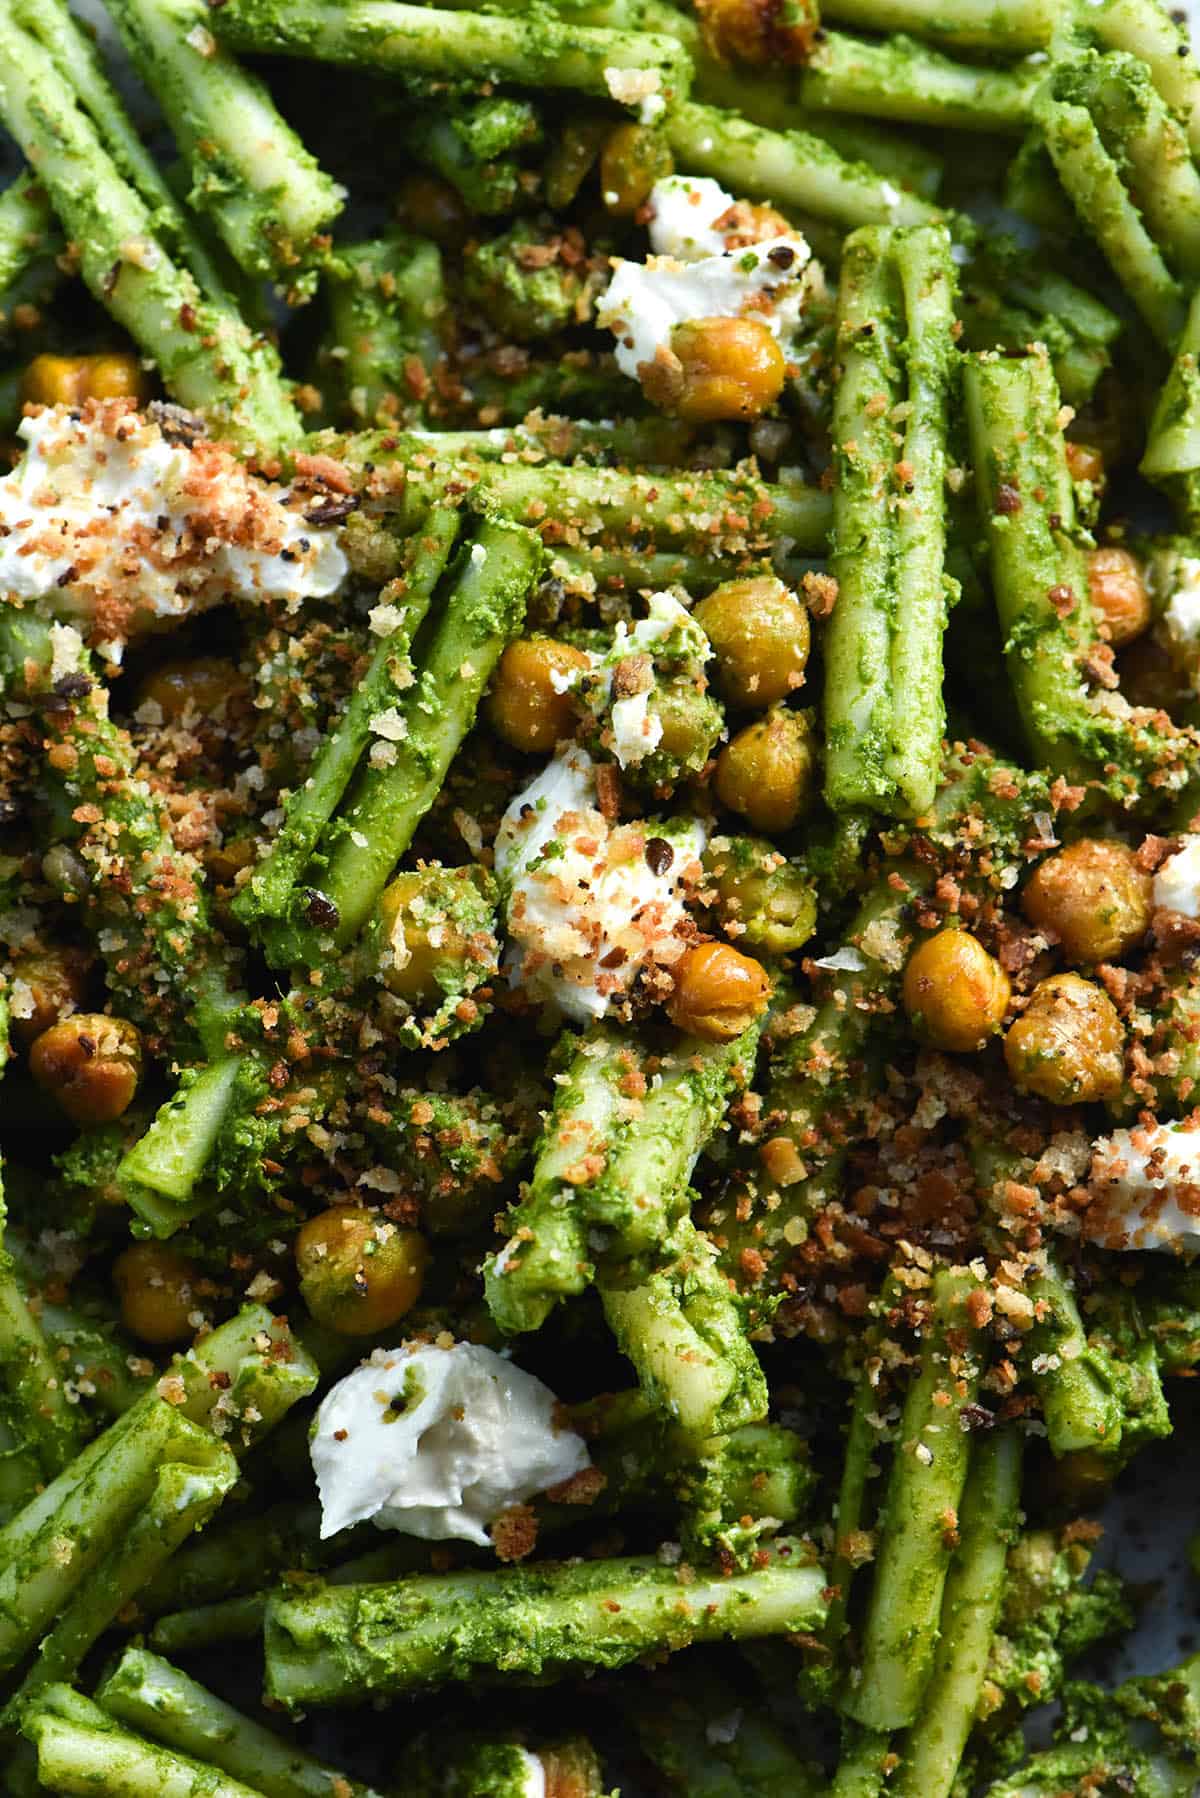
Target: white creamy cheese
(589, 903)
(694, 275)
(533, 1774)
(438, 1443)
(646, 300)
(124, 525)
(1181, 614)
(685, 213)
(1146, 1189)
(1177, 883)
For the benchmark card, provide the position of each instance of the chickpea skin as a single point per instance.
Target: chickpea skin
(1118, 592)
(55, 982)
(716, 369)
(434, 209)
(718, 992)
(525, 704)
(766, 773)
(91, 1064)
(633, 158)
(1068, 1044)
(155, 1287)
(69, 380)
(1093, 897)
(760, 635)
(955, 992)
(359, 1274)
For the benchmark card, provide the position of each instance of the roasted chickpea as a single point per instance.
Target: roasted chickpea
(760, 636)
(1093, 896)
(717, 368)
(91, 1064)
(1068, 1044)
(1085, 463)
(436, 933)
(691, 722)
(759, 31)
(47, 983)
(359, 1273)
(69, 380)
(764, 900)
(204, 687)
(766, 773)
(634, 157)
(1118, 592)
(955, 992)
(718, 992)
(155, 1287)
(525, 705)
(434, 209)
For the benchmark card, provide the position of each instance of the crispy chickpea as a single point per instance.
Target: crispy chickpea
(204, 687)
(431, 928)
(1118, 591)
(717, 368)
(1093, 896)
(766, 773)
(434, 209)
(524, 704)
(359, 1273)
(718, 992)
(759, 31)
(52, 982)
(955, 992)
(764, 900)
(634, 157)
(1068, 1044)
(90, 1063)
(760, 635)
(156, 1289)
(69, 380)
(1085, 463)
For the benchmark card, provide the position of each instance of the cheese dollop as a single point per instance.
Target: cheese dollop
(700, 276)
(126, 522)
(589, 903)
(1145, 1186)
(1177, 882)
(438, 1442)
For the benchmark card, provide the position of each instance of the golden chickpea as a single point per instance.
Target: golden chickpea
(764, 900)
(760, 635)
(203, 688)
(69, 380)
(359, 1274)
(51, 981)
(91, 1064)
(1093, 896)
(432, 926)
(156, 1289)
(955, 992)
(759, 31)
(1068, 1044)
(634, 157)
(717, 368)
(1085, 463)
(434, 209)
(524, 704)
(718, 992)
(1118, 591)
(766, 773)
